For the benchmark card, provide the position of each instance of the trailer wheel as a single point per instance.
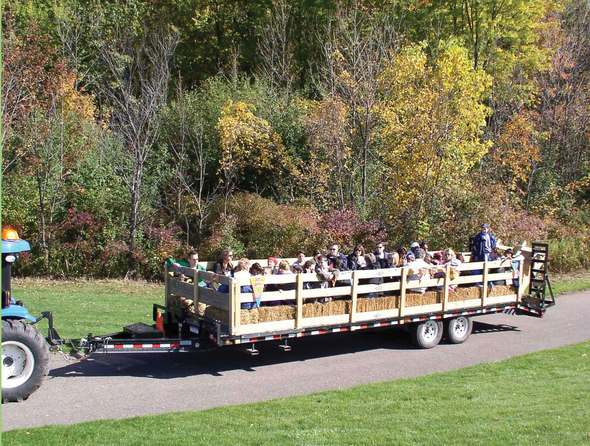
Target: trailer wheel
(25, 360)
(459, 329)
(427, 334)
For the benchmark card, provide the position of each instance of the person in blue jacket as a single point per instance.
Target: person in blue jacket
(483, 244)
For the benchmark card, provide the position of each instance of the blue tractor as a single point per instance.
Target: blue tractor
(25, 352)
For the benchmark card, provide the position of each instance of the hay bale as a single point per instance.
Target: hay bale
(332, 308)
(427, 298)
(365, 304)
(276, 313)
(249, 316)
(467, 293)
(502, 290)
(314, 309)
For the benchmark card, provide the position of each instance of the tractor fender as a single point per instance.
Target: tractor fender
(17, 312)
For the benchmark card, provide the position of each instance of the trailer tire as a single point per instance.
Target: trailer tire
(427, 334)
(25, 360)
(458, 329)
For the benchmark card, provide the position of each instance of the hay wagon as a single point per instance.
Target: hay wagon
(297, 305)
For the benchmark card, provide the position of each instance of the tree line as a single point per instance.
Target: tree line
(133, 131)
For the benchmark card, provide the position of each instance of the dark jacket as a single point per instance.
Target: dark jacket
(353, 262)
(343, 261)
(479, 248)
(386, 261)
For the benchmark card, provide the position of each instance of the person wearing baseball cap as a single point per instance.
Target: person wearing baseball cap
(484, 243)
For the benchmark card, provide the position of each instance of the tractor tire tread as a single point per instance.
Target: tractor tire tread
(30, 336)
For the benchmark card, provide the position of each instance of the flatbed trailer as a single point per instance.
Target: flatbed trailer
(196, 318)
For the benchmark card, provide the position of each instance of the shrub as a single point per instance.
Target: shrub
(347, 229)
(569, 254)
(258, 227)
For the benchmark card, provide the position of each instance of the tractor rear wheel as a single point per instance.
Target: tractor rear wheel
(25, 360)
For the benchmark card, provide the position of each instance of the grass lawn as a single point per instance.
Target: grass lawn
(537, 399)
(83, 307)
(570, 282)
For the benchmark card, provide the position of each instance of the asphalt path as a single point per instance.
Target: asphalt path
(126, 385)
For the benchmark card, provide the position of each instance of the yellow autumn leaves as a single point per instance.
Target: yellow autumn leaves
(431, 114)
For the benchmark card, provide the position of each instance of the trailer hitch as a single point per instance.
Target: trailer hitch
(53, 338)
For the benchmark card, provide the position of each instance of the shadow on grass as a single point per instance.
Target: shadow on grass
(216, 362)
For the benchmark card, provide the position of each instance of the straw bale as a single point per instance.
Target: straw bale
(331, 308)
(276, 313)
(365, 304)
(427, 298)
(467, 293)
(502, 290)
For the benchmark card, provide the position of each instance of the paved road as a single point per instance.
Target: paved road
(126, 385)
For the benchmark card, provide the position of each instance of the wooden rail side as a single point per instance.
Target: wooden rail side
(351, 286)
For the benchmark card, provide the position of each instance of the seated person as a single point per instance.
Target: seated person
(283, 269)
(383, 257)
(418, 269)
(322, 269)
(256, 269)
(241, 272)
(224, 267)
(372, 264)
(271, 265)
(309, 267)
(192, 262)
(356, 259)
(401, 253)
(334, 253)
(300, 260)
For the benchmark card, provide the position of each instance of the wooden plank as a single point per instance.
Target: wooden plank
(325, 320)
(270, 296)
(355, 284)
(231, 310)
(462, 280)
(447, 283)
(492, 277)
(179, 288)
(470, 266)
(373, 315)
(186, 271)
(460, 304)
(484, 293)
(208, 276)
(402, 299)
(196, 293)
(421, 309)
(494, 300)
(266, 327)
(327, 292)
(521, 287)
(272, 279)
(236, 305)
(438, 282)
(299, 298)
(386, 272)
(211, 297)
(378, 288)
